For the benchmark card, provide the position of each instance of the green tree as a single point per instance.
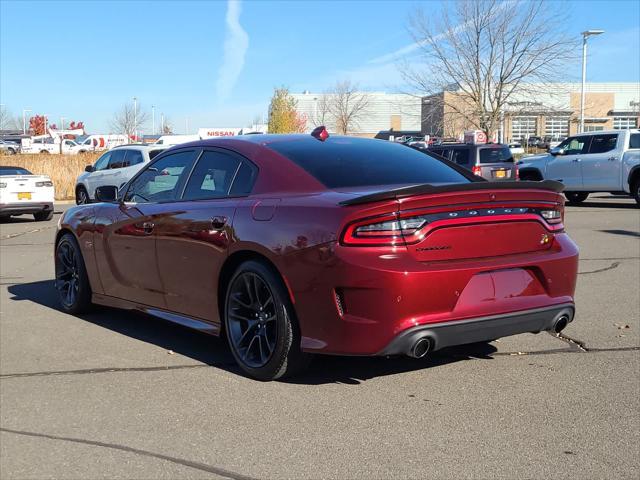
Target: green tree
(283, 117)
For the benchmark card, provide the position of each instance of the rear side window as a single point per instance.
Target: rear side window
(603, 143)
(212, 176)
(460, 156)
(495, 155)
(341, 162)
(634, 141)
(134, 157)
(243, 183)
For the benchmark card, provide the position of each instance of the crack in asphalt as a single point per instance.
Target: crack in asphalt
(19, 234)
(102, 370)
(114, 446)
(610, 267)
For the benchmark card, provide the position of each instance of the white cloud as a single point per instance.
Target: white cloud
(236, 43)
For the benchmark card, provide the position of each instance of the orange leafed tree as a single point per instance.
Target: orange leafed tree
(36, 125)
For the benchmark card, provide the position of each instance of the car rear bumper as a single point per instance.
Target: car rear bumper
(448, 334)
(25, 208)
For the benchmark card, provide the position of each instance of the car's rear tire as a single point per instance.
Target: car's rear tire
(82, 196)
(11, 151)
(260, 323)
(46, 152)
(576, 197)
(72, 282)
(43, 216)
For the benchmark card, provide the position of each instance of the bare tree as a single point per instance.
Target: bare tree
(480, 54)
(8, 121)
(127, 120)
(167, 127)
(322, 111)
(346, 105)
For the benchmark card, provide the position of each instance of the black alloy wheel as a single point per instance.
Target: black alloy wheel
(260, 323)
(72, 283)
(576, 197)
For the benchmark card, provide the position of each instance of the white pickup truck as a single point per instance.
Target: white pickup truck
(48, 145)
(603, 161)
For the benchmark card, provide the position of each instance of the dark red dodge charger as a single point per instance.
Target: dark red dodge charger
(297, 244)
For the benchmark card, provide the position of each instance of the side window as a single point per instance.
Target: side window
(575, 145)
(102, 162)
(133, 157)
(117, 159)
(634, 140)
(243, 183)
(212, 176)
(461, 156)
(603, 143)
(162, 180)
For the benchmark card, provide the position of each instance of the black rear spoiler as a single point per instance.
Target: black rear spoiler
(425, 188)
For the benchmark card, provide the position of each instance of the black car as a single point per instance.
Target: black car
(492, 161)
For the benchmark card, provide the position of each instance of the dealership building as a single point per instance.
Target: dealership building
(385, 114)
(551, 110)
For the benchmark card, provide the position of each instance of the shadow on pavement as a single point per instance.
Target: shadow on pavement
(215, 352)
(588, 204)
(627, 233)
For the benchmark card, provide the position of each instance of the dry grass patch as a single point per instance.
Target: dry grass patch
(62, 169)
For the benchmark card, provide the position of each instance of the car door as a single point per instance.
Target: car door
(127, 257)
(566, 167)
(193, 237)
(601, 164)
(94, 179)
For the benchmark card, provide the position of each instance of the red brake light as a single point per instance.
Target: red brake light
(477, 170)
(517, 172)
(320, 133)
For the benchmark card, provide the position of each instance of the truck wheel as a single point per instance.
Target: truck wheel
(44, 151)
(12, 151)
(576, 197)
(635, 190)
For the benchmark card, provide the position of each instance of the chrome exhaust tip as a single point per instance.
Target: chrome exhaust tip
(421, 348)
(561, 323)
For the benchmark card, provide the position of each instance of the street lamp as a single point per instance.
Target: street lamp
(153, 119)
(61, 123)
(24, 120)
(135, 118)
(45, 118)
(585, 35)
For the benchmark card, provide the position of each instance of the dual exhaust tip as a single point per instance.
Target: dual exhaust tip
(423, 345)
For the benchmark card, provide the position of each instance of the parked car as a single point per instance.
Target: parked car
(492, 161)
(363, 247)
(22, 193)
(10, 148)
(50, 146)
(516, 148)
(115, 167)
(532, 141)
(603, 161)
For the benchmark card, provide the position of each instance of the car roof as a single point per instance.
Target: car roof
(470, 145)
(606, 132)
(141, 146)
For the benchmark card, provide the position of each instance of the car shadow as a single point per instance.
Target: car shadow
(215, 352)
(627, 233)
(600, 204)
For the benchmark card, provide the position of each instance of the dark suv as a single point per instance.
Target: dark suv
(492, 161)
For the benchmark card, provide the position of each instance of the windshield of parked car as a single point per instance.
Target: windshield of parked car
(341, 162)
(495, 154)
(14, 171)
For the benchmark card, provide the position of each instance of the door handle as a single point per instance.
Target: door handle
(575, 160)
(218, 222)
(612, 159)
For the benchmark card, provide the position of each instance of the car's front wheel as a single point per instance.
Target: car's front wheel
(576, 197)
(82, 197)
(260, 323)
(635, 190)
(72, 282)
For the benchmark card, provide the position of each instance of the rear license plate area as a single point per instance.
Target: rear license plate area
(24, 195)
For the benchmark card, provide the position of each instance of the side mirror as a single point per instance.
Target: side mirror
(89, 168)
(107, 193)
(556, 151)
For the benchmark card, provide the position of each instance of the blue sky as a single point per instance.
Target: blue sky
(84, 59)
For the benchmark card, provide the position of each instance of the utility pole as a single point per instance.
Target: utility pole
(135, 118)
(162, 124)
(585, 35)
(61, 123)
(153, 119)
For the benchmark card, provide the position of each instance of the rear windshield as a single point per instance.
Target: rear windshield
(341, 162)
(14, 171)
(495, 155)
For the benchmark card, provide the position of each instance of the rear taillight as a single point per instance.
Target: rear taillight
(384, 231)
(477, 170)
(3, 185)
(44, 184)
(551, 216)
(517, 172)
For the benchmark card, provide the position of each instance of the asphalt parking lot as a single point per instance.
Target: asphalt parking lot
(119, 395)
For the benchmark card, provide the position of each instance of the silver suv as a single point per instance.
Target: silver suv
(115, 167)
(9, 147)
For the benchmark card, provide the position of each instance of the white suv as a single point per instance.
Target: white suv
(115, 167)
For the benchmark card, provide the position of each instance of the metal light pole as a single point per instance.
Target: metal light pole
(153, 119)
(135, 117)
(46, 118)
(61, 123)
(24, 120)
(162, 124)
(585, 35)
